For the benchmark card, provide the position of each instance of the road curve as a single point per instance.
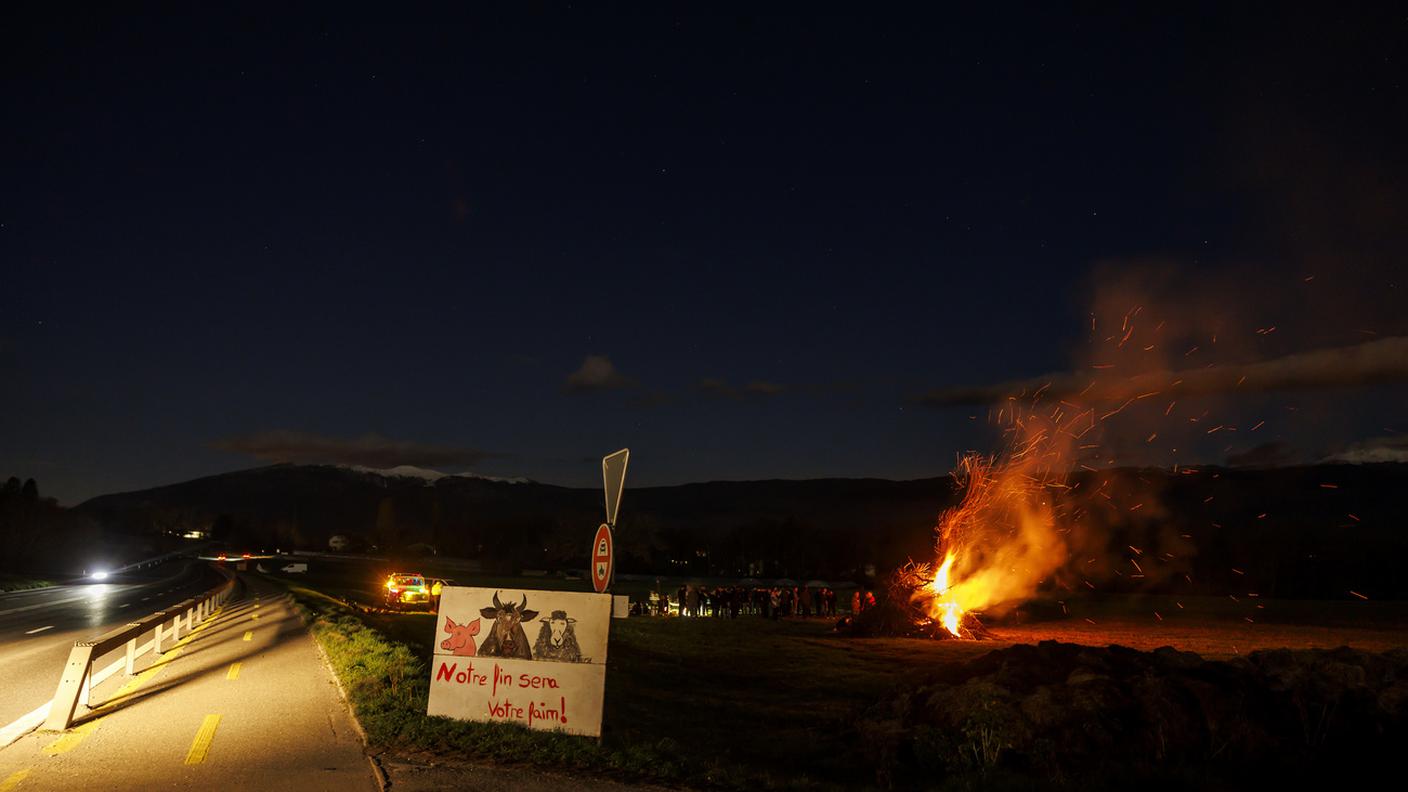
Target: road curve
(245, 701)
(38, 627)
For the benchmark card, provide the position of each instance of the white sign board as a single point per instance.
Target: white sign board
(536, 658)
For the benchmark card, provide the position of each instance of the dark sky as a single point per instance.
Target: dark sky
(233, 238)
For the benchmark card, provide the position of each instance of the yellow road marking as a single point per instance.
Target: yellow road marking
(200, 747)
(254, 616)
(234, 672)
(14, 780)
(248, 635)
(70, 739)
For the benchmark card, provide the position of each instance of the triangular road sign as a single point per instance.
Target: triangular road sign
(613, 475)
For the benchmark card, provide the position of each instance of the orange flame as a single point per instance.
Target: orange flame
(1002, 541)
(950, 614)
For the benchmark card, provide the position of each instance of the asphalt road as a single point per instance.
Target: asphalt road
(243, 702)
(37, 628)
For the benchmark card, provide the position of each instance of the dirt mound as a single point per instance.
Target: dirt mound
(1060, 712)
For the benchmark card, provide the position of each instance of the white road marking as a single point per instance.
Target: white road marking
(38, 630)
(24, 725)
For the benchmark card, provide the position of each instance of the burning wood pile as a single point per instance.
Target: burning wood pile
(902, 610)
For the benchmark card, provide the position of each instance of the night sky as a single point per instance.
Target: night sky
(742, 244)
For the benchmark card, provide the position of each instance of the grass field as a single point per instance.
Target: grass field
(740, 704)
(752, 703)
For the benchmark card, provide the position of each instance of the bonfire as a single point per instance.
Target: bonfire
(999, 544)
(1011, 533)
(901, 610)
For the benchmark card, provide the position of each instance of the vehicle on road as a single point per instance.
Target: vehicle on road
(406, 588)
(294, 568)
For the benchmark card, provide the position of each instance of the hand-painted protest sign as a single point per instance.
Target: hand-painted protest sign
(536, 658)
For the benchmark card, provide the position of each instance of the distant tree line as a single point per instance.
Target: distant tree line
(36, 534)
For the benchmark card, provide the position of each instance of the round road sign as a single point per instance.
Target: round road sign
(602, 553)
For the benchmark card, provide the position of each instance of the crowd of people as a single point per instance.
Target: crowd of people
(769, 602)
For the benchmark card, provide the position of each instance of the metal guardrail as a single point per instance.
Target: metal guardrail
(161, 559)
(79, 677)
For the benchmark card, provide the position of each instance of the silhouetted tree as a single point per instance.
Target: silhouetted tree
(386, 533)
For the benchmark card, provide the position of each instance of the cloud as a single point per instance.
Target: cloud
(1272, 454)
(597, 373)
(1393, 448)
(1372, 363)
(763, 388)
(713, 386)
(655, 398)
(369, 450)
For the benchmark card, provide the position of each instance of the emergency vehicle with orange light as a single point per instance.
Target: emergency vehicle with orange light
(406, 588)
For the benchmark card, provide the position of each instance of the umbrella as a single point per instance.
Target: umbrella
(785, 582)
(817, 584)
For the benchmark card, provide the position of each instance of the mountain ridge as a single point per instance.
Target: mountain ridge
(1311, 529)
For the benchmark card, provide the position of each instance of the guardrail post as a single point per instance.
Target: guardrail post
(86, 690)
(70, 687)
(131, 655)
(156, 641)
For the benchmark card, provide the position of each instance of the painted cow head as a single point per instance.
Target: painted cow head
(461, 640)
(507, 633)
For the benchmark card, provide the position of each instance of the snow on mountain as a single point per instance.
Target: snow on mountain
(429, 476)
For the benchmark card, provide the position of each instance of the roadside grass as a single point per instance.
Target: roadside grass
(746, 703)
(388, 685)
(10, 582)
